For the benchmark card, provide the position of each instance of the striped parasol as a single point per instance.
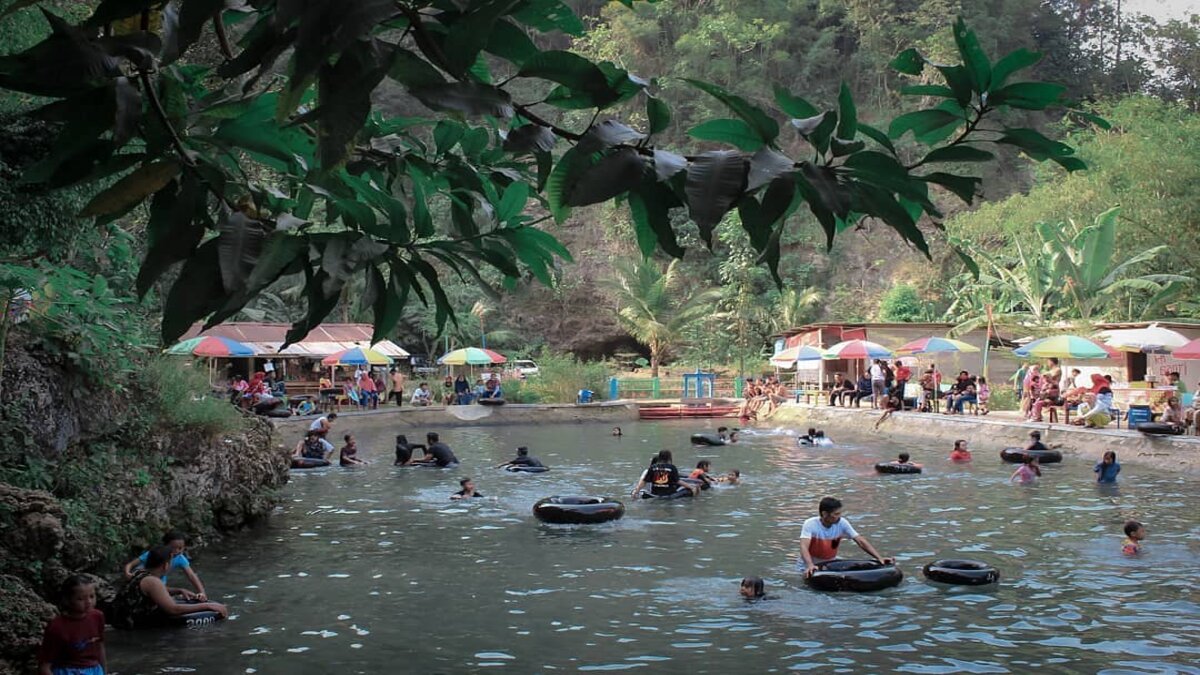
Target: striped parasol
(857, 349)
(212, 346)
(357, 356)
(1066, 347)
(788, 357)
(471, 356)
(935, 345)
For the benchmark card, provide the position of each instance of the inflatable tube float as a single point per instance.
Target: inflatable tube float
(1159, 429)
(854, 575)
(491, 401)
(805, 442)
(961, 572)
(707, 439)
(308, 463)
(278, 412)
(526, 469)
(1017, 455)
(896, 467)
(577, 510)
(683, 491)
(698, 482)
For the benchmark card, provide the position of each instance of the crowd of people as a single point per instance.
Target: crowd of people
(762, 396)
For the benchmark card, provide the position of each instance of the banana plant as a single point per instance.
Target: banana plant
(1086, 266)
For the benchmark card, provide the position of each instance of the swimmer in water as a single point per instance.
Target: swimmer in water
(522, 459)
(903, 458)
(960, 453)
(723, 432)
(733, 437)
(1106, 469)
(821, 440)
(807, 439)
(349, 454)
(701, 473)
(732, 478)
(752, 588)
(467, 491)
(1028, 472)
(1135, 532)
(616, 431)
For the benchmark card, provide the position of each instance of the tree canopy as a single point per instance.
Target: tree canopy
(405, 141)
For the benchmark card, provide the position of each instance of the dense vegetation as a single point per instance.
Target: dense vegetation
(291, 199)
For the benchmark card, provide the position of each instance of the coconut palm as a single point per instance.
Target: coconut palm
(655, 306)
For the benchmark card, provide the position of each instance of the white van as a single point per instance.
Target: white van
(524, 367)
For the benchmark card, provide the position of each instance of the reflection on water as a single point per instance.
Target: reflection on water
(373, 569)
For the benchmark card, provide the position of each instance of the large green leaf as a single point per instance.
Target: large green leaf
(197, 292)
(412, 71)
(510, 43)
(607, 134)
(530, 138)
(922, 122)
(762, 123)
(172, 232)
(570, 167)
(909, 62)
(973, 56)
(667, 164)
(658, 115)
(549, 15)
(794, 105)
(471, 32)
(1027, 95)
(1099, 248)
(345, 96)
(965, 187)
(1011, 63)
(327, 27)
(847, 114)
(1035, 144)
(715, 181)
(466, 98)
(239, 245)
(615, 174)
(765, 166)
(957, 153)
(650, 206)
(817, 130)
(876, 202)
(579, 75)
(734, 132)
(132, 189)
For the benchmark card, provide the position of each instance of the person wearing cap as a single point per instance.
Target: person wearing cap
(523, 459)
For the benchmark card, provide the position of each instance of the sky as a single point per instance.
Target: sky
(1162, 9)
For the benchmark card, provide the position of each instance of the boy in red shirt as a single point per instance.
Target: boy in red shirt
(74, 640)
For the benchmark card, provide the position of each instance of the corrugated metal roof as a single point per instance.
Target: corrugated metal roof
(326, 339)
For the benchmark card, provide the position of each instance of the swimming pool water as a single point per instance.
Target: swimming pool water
(373, 570)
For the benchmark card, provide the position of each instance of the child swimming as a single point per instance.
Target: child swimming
(1107, 468)
(1027, 473)
(1135, 532)
(752, 588)
(467, 491)
(733, 477)
(349, 454)
(960, 453)
(701, 473)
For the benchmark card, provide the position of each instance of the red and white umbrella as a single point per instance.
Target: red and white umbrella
(857, 349)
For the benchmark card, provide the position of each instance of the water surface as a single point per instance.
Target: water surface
(374, 570)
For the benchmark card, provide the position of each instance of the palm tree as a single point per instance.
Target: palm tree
(655, 306)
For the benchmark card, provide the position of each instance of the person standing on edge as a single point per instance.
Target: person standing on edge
(903, 373)
(878, 382)
(397, 392)
(821, 535)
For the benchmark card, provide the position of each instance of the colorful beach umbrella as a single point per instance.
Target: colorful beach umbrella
(471, 356)
(1065, 347)
(857, 349)
(1189, 351)
(358, 356)
(1152, 339)
(935, 345)
(788, 357)
(212, 345)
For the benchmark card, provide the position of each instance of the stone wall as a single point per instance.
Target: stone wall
(406, 417)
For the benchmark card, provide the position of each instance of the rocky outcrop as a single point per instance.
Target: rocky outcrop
(114, 479)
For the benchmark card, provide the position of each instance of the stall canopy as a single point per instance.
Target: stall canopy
(324, 340)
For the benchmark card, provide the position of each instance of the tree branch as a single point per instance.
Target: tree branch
(176, 141)
(222, 36)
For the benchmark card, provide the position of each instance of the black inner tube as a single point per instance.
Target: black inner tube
(517, 468)
(1017, 455)
(1160, 428)
(681, 492)
(577, 510)
(961, 572)
(707, 439)
(896, 467)
(308, 462)
(855, 575)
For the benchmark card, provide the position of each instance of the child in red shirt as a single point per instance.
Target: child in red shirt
(74, 640)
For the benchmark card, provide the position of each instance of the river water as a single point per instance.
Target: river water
(373, 570)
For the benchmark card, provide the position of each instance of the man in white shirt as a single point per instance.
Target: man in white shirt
(820, 536)
(323, 424)
(422, 396)
(878, 382)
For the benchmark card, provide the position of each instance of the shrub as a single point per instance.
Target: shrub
(560, 378)
(184, 399)
(1003, 398)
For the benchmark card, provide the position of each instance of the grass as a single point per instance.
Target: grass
(185, 401)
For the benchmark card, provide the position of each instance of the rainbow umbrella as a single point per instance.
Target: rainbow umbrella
(788, 357)
(213, 346)
(935, 345)
(857, 349)
(1189, 351)
(358, 356)
(471, 356)
(1065, 347)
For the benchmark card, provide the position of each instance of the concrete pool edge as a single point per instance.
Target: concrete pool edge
(988, 436)
(433, 417)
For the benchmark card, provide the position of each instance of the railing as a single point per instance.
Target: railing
(657, 387)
